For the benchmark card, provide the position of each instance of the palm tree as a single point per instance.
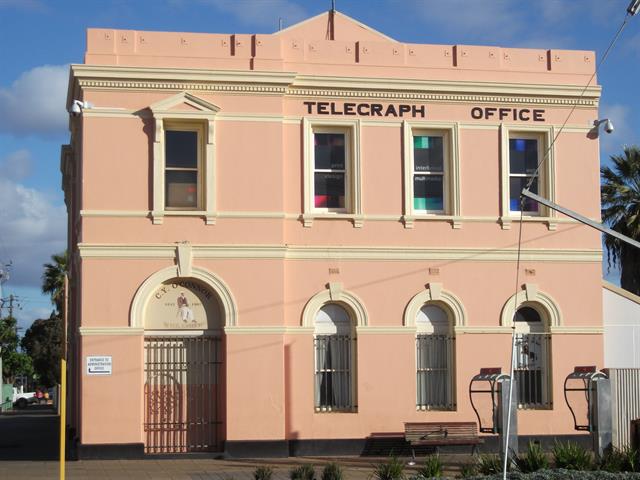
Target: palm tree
(620, 193)
(53, 279)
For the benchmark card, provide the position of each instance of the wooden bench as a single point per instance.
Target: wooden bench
(442, 434)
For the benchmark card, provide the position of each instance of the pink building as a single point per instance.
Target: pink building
(286, 243)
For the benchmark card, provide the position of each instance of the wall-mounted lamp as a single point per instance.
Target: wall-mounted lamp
(608, 126)
(78, 106)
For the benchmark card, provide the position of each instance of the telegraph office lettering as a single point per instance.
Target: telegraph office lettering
(522, 114)
(365, 109)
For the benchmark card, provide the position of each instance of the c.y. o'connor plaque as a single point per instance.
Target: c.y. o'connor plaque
(180, 304)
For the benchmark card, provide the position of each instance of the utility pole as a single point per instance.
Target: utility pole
(11, 299)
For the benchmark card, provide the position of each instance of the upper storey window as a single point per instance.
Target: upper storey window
(332, 170)
(183, 166)
(523, 150)
(183, 158)
(431, 172)
(524, 157)
(428, 174)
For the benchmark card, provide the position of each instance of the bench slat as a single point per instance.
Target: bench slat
(442, 433)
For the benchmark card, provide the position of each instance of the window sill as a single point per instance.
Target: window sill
(158, 217)
(308, 218)
(409, 220)
(435, 409)
(506, 221)
(335, 410)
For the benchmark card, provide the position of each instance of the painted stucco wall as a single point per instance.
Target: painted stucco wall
(273, 263)
(621, 319)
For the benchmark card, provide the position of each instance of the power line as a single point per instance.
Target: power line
(631, 10)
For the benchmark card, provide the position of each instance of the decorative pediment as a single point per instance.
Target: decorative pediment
(344, 28)
(184, 103)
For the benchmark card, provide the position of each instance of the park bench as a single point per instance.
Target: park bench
(442, 433)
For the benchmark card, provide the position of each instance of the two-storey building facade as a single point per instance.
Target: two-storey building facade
(295, 240)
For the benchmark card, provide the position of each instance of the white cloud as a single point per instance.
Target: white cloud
(32, 230)
(35, 103)
(16, 165)
(261, 12)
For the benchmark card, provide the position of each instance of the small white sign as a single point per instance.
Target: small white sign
(99, 365)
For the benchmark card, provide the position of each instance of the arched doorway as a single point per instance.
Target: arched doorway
(183, 359)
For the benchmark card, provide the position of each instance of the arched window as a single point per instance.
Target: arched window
(335, 359)
(532, 363)
(434, 358)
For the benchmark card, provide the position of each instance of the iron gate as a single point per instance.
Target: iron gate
(182, 394)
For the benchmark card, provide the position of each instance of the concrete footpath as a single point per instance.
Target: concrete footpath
(191, 468)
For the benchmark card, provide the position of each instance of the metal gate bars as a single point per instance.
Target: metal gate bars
(182, 394)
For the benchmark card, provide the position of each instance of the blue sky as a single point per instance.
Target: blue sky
(40, 38)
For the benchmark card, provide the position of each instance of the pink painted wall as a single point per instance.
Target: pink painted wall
(112, 405)
(259, 196)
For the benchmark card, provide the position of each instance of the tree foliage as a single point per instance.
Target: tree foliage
(620, 194)
(14, 362)
(53, 279)
(43, 343)
(43, 340)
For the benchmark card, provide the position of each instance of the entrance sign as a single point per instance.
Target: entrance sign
(182, 304)
(99, 365)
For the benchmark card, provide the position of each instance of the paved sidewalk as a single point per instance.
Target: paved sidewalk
(193, 468)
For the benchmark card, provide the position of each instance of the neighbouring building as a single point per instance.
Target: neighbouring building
(285, 243)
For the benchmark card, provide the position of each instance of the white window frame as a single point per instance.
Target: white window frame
(166, 117)
(353, 188)
(449, 131)
(546, 176)
(199, 129)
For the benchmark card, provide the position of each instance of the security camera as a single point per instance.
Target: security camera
(77, 107)
(608, 125)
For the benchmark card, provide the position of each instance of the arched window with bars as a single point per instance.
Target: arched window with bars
(334, 345)
(435, 355)
(532, 357)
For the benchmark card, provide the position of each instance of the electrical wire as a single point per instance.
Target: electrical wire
(519, 251)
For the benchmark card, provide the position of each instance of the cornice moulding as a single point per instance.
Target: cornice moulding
(105, 331)
(384, 253)
(288, 83)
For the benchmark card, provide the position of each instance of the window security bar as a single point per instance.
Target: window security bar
(333, 377)
(434, 372)
(531, 370)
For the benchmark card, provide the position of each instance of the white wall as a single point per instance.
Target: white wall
(621, 318)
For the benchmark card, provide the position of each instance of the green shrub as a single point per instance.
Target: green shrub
(391, 470)
(533, 460)
(625, 459)
(468, 470)
(432, 467)
(572, 456)
(303, 472)
(562, 474)
(332, 471)
(489, 464)
(262, 473)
